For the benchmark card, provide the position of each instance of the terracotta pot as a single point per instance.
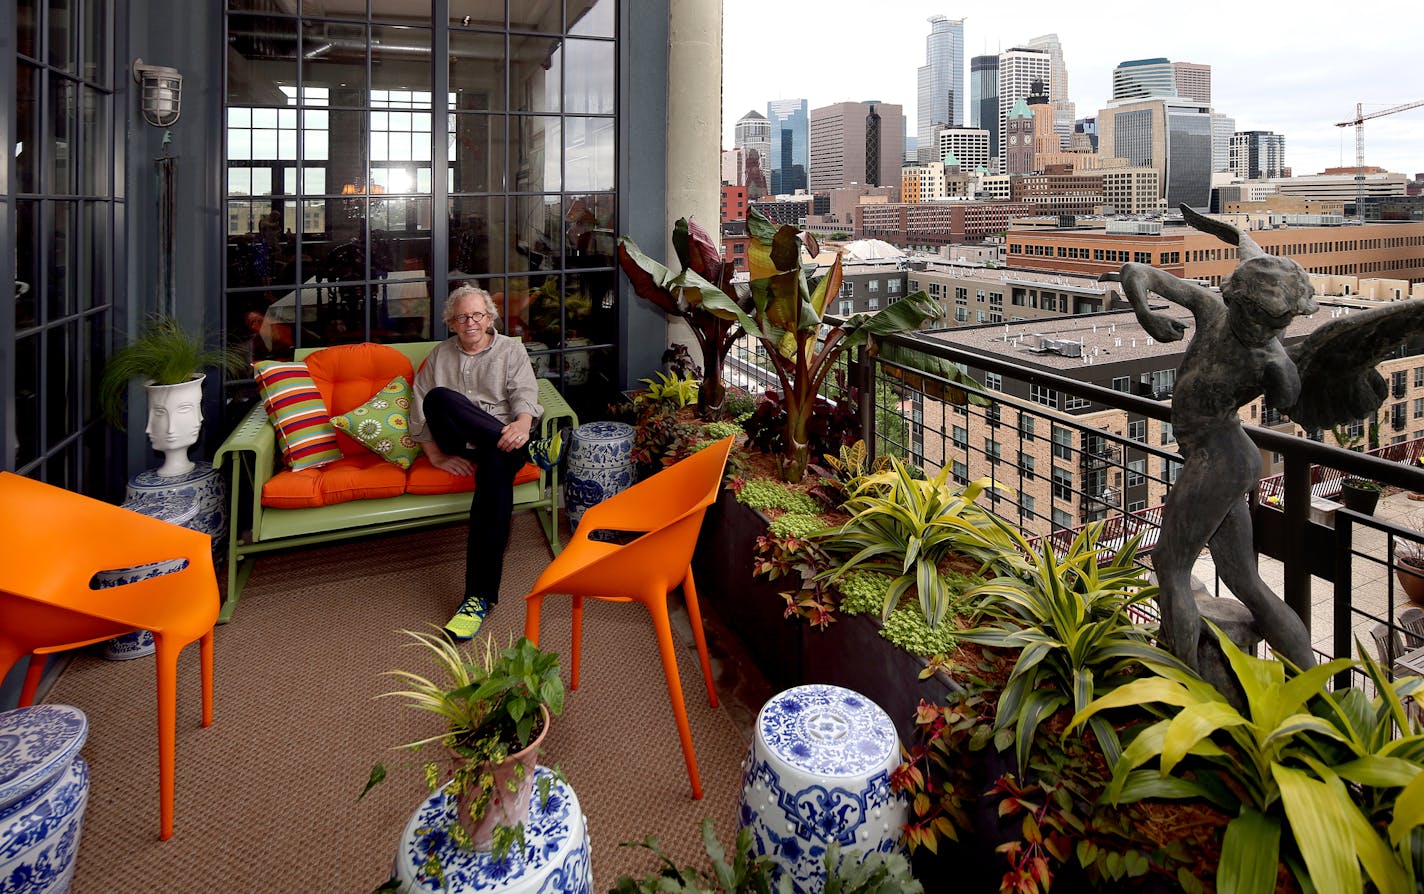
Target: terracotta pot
(505, 808)
(1411, 580)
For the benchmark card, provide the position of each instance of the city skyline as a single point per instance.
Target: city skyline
(1294, 75)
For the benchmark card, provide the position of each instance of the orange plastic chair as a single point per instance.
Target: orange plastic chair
(669, 507)
(52, 542)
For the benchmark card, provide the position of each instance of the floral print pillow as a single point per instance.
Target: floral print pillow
(382, 424)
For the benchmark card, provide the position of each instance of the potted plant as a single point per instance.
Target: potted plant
(495, 706)
(170, 360)
(1409, 563)
(1360, 494)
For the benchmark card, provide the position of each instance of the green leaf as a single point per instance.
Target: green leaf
(1408, 810)
(378, 775)
(1318, 821)
(1250, 855)
(1192, 724)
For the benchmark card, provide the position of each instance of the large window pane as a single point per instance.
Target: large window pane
(347, 147)
(27, 128)
(535, 310)
(60, 280)
(590, 18)
(588, 151)
(400, 65)
(261, 60)
(333, 64)
(591, 307)
(61, 391)
(94, 270)
(62, 115)
(538, 159)
(537, 233)
(545, 16)
(95, 168)
(27, 21)
(588, 87)
(94, 38)
(27, 400)
(477, 68)
(477, 153)
(61, 35)
(477, 236)
(590, 226)
(534, 69)
(27, 256)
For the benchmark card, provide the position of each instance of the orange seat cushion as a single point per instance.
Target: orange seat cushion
(426, 479)
(348, 375)
(365, 476)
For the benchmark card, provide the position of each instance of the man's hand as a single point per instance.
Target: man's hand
(516, 434)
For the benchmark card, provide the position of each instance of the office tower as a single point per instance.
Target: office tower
(732, 167)
(856, 142)
(941, 83)
(1018, 140)
(1086, 129)
(1063, 109)
(753, 137)
(1019, 68)
(790, 123)
(1257, 154)
(1222, 129)
(970, 145)
(1170, 134)
(1193, 81)
(984, 98)
(1140, 78)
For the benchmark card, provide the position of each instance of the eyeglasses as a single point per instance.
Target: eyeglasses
(470, 318)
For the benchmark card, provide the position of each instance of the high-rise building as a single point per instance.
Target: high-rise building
(856, 142)
(1063, 108)
(1140, 78)
(732, 167)
(941, 83)
(1193, 81)
(970, 145)
(1257, 154)
(753, 137)
(1019, 69)
(1222, 129)
(1169, 134)
(790, 129)
(984, 98)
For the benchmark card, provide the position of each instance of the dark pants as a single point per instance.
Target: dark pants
(462, 429)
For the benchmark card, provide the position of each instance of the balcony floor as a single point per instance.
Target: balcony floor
(266, 797)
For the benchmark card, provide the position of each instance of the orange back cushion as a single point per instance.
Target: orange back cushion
(348, 375)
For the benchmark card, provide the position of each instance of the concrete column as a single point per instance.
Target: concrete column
(694, 125)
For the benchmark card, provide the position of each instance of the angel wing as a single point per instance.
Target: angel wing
(1338, 379)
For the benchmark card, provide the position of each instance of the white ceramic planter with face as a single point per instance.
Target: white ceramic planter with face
(175, 415)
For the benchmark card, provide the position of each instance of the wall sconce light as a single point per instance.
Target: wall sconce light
(161, 96)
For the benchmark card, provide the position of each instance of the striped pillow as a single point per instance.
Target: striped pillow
(304, 430)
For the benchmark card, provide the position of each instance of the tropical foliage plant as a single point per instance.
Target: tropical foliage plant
(1309, 776)
(1069, 619)
(910, 528)
(703, 276)
(488, 701)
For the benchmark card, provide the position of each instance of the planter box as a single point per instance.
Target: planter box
(751, 607)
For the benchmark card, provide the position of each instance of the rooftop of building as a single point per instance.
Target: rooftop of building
(1108, 337)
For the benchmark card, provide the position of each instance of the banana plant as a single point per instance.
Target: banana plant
(802, 347)
(685, 294)
(1294, 780)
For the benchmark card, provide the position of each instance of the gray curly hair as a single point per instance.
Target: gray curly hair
(464, 292)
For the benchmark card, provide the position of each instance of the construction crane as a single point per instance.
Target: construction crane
(1358, 122)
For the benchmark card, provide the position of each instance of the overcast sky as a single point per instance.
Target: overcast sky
(1294, 68)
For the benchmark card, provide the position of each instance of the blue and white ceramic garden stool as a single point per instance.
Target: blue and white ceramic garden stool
(44, 785)
(194, 500)
(818, 771)
(555, 859)
(600, 465)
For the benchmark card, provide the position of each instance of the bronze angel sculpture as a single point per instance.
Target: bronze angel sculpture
(1235, 355)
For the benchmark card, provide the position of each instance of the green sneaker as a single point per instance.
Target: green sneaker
(546, 452)
(468, 618)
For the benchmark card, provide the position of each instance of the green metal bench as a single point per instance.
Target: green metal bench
(251, 456)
